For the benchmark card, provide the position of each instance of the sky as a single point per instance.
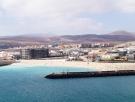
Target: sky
(63, 17)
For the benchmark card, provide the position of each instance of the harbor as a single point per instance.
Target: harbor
(28, 85)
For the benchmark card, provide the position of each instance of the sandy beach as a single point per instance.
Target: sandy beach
(92, 65)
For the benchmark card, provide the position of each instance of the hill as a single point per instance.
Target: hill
(31, 39)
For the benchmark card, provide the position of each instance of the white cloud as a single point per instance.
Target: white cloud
(57, 16)
(126, 6)
(60, 16)
(80, 25)
(52, 7)
(64, 7)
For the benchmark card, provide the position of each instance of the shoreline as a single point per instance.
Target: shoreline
(77, 64)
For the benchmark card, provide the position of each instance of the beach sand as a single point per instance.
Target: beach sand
(92, 65)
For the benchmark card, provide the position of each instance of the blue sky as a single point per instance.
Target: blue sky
(65, 16)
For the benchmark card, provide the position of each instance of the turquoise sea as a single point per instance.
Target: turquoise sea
(23, 84)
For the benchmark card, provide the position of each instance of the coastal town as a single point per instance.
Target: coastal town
(101, 56)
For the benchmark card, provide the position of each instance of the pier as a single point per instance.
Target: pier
(90, 74)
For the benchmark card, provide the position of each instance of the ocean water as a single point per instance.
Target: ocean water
(23, 84)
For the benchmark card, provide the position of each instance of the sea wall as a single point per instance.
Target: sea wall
(90, 74)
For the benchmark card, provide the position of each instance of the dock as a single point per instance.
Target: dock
(66, 75)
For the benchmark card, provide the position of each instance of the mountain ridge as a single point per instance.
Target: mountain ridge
(82, 38)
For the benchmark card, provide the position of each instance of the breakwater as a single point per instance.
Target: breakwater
(64, 75)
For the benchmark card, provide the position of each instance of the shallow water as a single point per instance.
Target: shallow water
(22, 84)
